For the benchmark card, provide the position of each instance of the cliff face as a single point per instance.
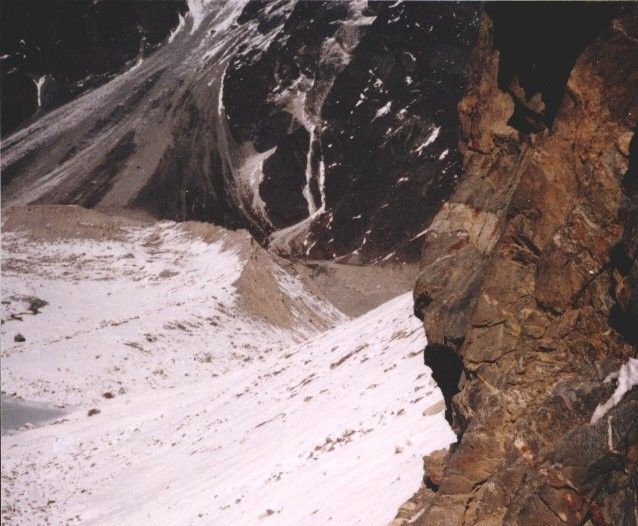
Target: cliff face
(528, 283)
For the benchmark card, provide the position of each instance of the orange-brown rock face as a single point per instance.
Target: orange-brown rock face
(529, 276)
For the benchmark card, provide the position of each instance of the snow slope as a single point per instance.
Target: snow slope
(218, 416)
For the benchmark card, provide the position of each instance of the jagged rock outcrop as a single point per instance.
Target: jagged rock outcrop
(528, 274)
(412, 509)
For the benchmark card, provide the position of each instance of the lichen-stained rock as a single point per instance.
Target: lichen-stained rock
(529, 275)
(485, 110)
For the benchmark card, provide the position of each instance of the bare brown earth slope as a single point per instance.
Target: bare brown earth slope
(528, 286)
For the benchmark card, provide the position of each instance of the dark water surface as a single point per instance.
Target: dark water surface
(15, 412)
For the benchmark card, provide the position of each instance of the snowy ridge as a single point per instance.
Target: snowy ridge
(226, 12)
(216, 417)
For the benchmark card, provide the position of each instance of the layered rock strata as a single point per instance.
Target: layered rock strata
(529, 278)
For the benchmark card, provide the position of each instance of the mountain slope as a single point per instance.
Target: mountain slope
(219, 410)
(278, 117)
(50, 52)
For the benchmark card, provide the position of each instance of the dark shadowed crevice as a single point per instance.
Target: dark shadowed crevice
(620, 259)
(284, 180)
(630, 179)
(446, 370)
(430, 484)
(539, 44)
(420, 304)
(623, 316)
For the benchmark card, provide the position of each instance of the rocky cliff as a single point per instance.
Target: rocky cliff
(528, 286)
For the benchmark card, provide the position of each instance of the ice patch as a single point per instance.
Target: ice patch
(180, 26)
(220, 94)
(197, 11)
(419, 234)
(384, 110)
(429, 140)
(627, 378)
(248, 177)
(226, 13)
(39, 83)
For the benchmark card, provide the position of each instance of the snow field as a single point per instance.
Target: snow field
(217, 417)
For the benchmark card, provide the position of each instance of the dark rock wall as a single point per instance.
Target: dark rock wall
(72, 46)
(315, 125)
(528, 274)
(369, 83)
(390, 136)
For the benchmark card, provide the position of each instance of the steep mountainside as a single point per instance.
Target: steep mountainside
(531, 324)
(315, 125)
(52, 51)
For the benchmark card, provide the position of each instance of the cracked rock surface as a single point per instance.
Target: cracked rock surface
(529, 276)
